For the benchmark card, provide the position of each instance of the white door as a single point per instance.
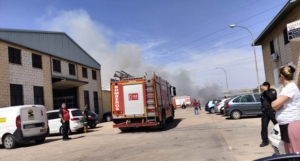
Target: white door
(33, 120)
(54, 122)
(133, 100)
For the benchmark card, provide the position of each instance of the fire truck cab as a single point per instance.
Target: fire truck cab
(141, 102)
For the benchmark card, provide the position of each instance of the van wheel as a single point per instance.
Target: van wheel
(61, 131)
(235, 114)
(39, 141)
(9, 142)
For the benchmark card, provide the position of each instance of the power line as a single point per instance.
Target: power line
(215, 39)
(213, 21)
(209, 50)
(216, 31)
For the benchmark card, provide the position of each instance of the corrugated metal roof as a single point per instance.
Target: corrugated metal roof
(290, 5)
(57, 44)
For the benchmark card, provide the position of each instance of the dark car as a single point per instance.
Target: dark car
(93, 119)
(107, 116)
(247, 104)
(210, 105)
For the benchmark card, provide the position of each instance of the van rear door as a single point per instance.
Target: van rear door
(33, 120)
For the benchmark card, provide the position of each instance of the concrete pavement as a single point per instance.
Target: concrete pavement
(190, 137)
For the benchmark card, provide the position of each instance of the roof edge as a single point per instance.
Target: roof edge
(290, 3)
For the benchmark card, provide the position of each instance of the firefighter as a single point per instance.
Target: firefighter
(267, 97)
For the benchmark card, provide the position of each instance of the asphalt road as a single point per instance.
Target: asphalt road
(207, 137)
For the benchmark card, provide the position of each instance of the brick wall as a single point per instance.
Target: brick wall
(91, 87)
(64, 69)
(27, 76)
(287, 52)
(4, 79)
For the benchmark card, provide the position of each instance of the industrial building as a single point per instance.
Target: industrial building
(47, 68)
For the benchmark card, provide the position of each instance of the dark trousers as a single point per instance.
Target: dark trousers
(66, 127)
(267, 115)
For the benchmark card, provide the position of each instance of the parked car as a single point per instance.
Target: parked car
(24, 123)
(210, 105)
(275, 140)
(93, 119)
(248, 104)
(219, 107)
(107, 116)
(76, 121)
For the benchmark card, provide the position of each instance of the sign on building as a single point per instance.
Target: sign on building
(293, 30)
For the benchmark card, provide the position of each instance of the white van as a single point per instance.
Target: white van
(24, 123)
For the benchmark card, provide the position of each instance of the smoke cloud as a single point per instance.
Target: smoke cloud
(95, 39)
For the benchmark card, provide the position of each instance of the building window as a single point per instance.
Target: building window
(72, 70)
(285, 36)
(272, 49)
(86, 98)
(56, 65)
(14, 55)
(94, 74)
(16, 94)
(96, 104)
(36, 61)
(84, 72)
(38, 95)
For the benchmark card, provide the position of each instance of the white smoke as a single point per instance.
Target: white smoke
(94, 38)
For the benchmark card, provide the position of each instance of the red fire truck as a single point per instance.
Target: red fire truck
(141, 102)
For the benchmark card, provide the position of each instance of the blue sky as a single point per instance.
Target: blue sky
(155, 30)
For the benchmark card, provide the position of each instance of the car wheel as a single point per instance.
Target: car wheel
(39, 141)
(92, 126)
(235, 114)
(108, 118)
(212, 110)
(9, 142)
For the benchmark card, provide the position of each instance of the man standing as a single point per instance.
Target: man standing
(267, 97)
(65, 120)
(85, 118)
(195, 104)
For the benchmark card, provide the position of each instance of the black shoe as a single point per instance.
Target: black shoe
(69, 138)
(65, 139)
(264, 144)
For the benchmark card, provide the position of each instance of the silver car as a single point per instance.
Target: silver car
(247, 104)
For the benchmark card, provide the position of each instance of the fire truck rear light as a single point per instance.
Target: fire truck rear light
(118, 112)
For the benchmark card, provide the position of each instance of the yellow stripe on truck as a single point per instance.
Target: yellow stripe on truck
(2, 120)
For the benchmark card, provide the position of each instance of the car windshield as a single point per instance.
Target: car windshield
(76, 113)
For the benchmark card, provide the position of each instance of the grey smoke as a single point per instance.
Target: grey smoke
(95, 39)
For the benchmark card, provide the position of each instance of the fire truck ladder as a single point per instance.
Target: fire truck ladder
(151, 113)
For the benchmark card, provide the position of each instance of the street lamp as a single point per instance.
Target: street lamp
(225, 75)
(257, 76)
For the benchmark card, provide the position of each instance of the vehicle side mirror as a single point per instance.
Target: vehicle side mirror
(174, 91)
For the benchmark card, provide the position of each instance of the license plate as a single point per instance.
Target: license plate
(42, 130)
(29, 126)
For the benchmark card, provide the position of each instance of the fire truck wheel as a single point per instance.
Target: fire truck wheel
(171, 119)
(163, 121)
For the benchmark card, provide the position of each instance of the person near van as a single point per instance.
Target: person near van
(65, 120)
(267, 97)
(287, 107)
(85, 118)
(195, 105)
